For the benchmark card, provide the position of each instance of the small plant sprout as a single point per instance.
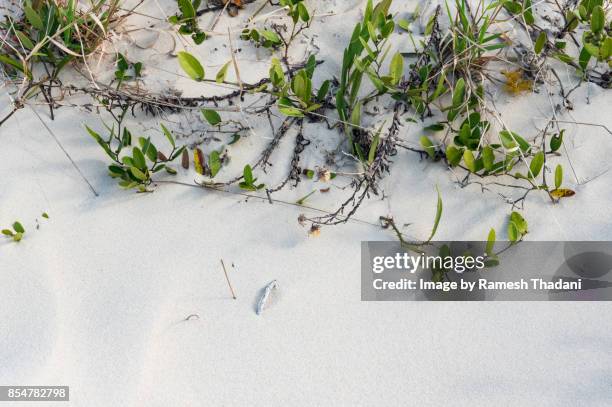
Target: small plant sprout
(187, 20)
(262, 38)
(16, 233)
(295, 99)
(559, 192)
(126, 70)
(248, 182)
(136, 168)
(274, 38)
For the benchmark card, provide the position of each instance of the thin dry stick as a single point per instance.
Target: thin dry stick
(263, 5)
(229, 35)
(228, 280)
(218, 16)
(65, 152)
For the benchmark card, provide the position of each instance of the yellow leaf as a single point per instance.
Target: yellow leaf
(562, 193)
(515, 83)
(198, 161)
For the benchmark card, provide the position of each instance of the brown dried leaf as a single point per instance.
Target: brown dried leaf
(185, 160)
(315, 231)
(323, 174)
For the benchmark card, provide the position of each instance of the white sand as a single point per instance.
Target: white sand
(96, 298)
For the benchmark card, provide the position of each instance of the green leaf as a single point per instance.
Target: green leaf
(247, 174)
(222, 73)
(513, 7)
(508, 140)
(191, 66)
(528, 12)
(13, 62)
(491, 261)
(428, 146)
(513, 234)
(597, 19)
(122, 63)
(564, 57)
(435, 127)
(7, 232)
(310, 66)
(440, 88)
(592, 49)
(214, 162)
(187, 8)
(27, 43)
(558, 176)
(404, 24)
(453, 155)
(490, 242)
(211, 116)
(356, 115)
(148, 149)
(373, 147)
(101, 142)
(556, 141)
(322, 93)
(45, 215)
(488, 158)
(138, 174)
(18, 227)
(438, 216)
(536, 164)
(168, 135)
(468, 159)
(126, 138)
(303, 12)
(397, 68)
(458, 93)
(606, 49)
(519, 222)
(34, 18)
(584, 57)
(235, 138)
(540, 42)
(198, 37)
(271, 36)
(300, 87)
(138, 159)
(290, 111)
(17, 237)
